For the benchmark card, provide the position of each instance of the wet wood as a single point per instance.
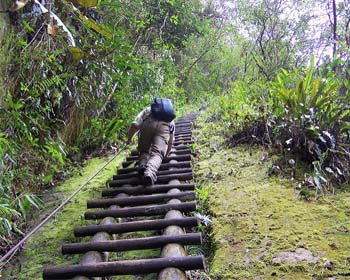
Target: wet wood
(178, 133)
(176, 143)
(136, 226)
(173, 249)
(128, 267)
(139, 200)
(173, 151)
(166, 159)
(182, 138)
(173, 260)
(132, 243)
(159, 173)
(140, 190)
(160, 179)
(140, 211)
(163, 166)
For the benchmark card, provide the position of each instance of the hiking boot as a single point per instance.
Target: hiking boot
(141, 170)
(148, 181)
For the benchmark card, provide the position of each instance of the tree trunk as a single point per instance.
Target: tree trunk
(334, 8)
(4, 5)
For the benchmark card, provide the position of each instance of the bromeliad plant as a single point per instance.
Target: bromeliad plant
(311, 118)
(304, 115)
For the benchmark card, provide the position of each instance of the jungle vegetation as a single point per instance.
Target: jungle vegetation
(75, 72)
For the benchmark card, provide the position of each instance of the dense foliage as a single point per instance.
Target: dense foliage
(74, 75)
(300, 114)
(76, 71)
(292, 105)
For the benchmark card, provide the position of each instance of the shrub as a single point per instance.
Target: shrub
(301, 114)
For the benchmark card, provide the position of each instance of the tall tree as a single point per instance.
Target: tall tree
(334, 10)
(278, 31)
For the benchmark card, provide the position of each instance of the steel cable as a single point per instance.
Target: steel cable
(11, 252)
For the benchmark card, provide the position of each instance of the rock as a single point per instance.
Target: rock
(328, 265)
(299, 255)
(333, 245)
(263, 252)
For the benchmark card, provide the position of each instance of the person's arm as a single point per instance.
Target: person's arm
(132, 130)
(136, 124)
(170, 144)
(171, 138)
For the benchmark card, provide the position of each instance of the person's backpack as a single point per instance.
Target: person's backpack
(162, 109)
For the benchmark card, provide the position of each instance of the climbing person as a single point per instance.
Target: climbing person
(156, 128)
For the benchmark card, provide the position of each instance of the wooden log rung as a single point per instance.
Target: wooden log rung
(183, 127)
(177, 153)
(166, 159)
(149, 190)
(160, 179)
(128, 267)
(183, 135)
(183, 142)
(183, 124)
(132, 244)
(140, 211)
(183, 130)
(135, 153)
(184, 147)
(139, 200)
(163, 166)
(179, 133)
(135, 226)
(159, 173)
(184, 139)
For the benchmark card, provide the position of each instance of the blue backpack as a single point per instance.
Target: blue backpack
(162, 109)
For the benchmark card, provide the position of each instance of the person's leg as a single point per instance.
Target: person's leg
(157, 151)
(144, 144)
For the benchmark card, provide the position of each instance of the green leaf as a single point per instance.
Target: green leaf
(33, 200)
(97, 27)
(310, 73)
(88, 3)
(6, 225)
(111, 4)
(77, 53)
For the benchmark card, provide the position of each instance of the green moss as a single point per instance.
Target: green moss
(255, 217)
(43, 248)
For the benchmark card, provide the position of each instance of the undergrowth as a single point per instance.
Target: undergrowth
(43, 248)
(300, 116)
(72, 80)
(257, 215)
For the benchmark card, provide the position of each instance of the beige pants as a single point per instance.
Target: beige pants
(152, 145)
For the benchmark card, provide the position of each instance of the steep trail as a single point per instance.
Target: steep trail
(162, 213)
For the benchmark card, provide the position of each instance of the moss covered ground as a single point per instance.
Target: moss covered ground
(43, 248)
(255, 217)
